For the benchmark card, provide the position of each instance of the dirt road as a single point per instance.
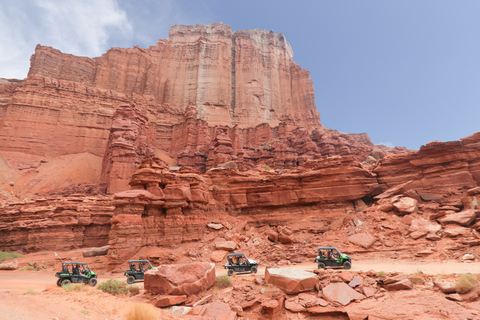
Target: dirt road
(26, 295)
(432, 268)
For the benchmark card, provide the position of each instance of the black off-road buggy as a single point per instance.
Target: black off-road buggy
(330, 257)
(238, 262)
(76, 272)
(137, 270)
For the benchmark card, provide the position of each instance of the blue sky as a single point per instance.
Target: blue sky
(404, 71)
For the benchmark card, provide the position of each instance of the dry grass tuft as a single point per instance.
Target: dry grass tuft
(466, 283)
(142, 311)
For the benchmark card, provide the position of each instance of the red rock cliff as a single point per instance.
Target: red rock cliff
(242, 78)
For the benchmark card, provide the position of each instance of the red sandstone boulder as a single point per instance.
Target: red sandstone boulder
(421, 227)
(166, 301)
(291, 280)
(364, 240)
(445, 286)
(93, 252)
(216, 310)
(341, 292)
(404, 284)
(463, 218)
(455, 231)
(225, 245)
(218, 255)
(180, 279)
(406, 205)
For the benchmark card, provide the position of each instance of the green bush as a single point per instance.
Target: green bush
(267, 168)
(114, 287)
(466, 283)
(8, 255)
(223, 282)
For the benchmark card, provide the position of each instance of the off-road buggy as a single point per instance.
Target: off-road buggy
(332, 258)
(136, 270)
(238, 262)
(76, 272)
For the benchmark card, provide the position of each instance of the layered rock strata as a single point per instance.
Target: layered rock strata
(130, 140)
(165, 208)
(201, 81)
(436, 168)
(63, 223)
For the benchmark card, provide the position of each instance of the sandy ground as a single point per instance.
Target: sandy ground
(26, 295)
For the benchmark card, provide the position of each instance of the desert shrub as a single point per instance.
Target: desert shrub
(133, 290)
(114, 287)
(267, 168)
(141, 311)
(30, 292)
(381, 273)
(466, 283)
(73, 287)
(223, 282)
(29, 268)
(8, 255)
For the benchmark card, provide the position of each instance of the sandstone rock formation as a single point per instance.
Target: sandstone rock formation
(203, 97)
(130, 140)
(63, 223)
(180, 279)
(291, 280)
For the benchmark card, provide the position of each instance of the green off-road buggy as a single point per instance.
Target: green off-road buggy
(76, 272)
(330, 257)
(136, 270)
(238, 262)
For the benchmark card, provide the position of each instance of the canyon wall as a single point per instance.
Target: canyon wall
(202, 81)
(242, 79)
(169, 206)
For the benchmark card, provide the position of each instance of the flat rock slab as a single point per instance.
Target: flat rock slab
(291, 280)
(342, 293)
(364, 240)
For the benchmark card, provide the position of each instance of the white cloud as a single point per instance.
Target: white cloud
(80, 27)
(386, 144)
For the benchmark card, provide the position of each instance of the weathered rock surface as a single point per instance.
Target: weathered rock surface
(93, 252)
(173, 207)
(130, 140)
(180, 279)
(62, 223)
(204, 97)
(169, 300)
(341, 292)
(291, 280)
(10, 265)
(436, 167)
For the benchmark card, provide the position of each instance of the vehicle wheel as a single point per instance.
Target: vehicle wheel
(59, 282)
(347, 265)
(230, 272)
(93, 282)
(130, 279)
(254, 269)
(321, 265)
(66, 282)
